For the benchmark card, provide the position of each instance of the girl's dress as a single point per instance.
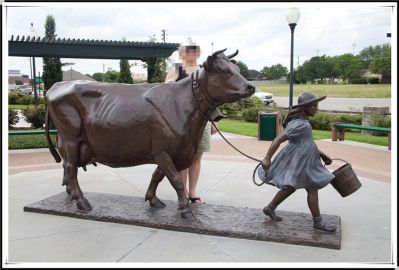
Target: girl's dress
(298, 164)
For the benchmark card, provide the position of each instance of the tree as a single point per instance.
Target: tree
(348, 65)
(275, 72)
(52, 72)
(125, 76)
(111, 76)
(98, 76)
(156, 67)
(244, 71)
(381, 63)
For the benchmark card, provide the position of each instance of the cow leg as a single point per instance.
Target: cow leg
(167, 166)
(150, 195)
(71, 169)
(65, 180)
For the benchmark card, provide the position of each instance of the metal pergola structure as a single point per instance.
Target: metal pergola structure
(86, 49)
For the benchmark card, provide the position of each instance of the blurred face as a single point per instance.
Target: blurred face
(311, 109)
(189, 53)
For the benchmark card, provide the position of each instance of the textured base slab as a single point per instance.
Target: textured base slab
(228, 221)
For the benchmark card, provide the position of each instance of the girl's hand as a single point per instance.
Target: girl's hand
(327, 160)
(266, 162)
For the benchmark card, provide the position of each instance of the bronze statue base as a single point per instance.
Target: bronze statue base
(219, 220)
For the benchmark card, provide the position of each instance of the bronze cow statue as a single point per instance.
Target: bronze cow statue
(123, 125)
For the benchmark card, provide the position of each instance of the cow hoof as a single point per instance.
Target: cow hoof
(157, 203)
(83, 204)
(68, 189)
(187, 216)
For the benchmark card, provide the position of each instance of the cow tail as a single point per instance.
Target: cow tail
(49, 142)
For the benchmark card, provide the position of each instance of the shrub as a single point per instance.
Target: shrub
(13, 117)
(230, 109)
(251, 114)
(250, 102)
(358, 81)
(35, 116)
(373, 80)
(13, 97)
(25, 100)
(380, 121)
(323, 121)
(350, 118)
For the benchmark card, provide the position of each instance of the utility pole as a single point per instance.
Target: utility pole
(317, 51)
(297, 63)
(354, 46)
(103, 72)
(212, 46)
(163, 35)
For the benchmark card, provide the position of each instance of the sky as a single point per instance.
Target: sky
(258, 30)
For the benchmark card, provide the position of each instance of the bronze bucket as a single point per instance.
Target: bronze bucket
(345, 181)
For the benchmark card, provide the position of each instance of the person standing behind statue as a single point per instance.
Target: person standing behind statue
(189, 54)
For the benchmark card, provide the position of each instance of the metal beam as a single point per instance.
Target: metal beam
(91, 49)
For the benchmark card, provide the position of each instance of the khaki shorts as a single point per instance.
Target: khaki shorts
(205, 143)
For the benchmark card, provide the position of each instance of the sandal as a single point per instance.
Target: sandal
(193, 200)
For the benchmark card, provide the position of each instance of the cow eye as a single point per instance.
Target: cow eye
(226, 71)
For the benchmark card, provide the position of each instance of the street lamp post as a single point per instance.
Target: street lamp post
(292, 18)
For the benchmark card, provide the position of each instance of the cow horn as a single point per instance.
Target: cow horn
(232, 55)
(215, 54)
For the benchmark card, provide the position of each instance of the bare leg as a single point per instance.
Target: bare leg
(167, 166)
(313, 203)
(278, 198)
(150, 195)
(193, 173)
(183, 175)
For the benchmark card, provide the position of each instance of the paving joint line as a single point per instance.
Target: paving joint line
(222, 250)
(137, 245)
(114, 173)
(222, 179)
(52, 234)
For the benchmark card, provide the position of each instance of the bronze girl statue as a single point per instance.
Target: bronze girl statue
(298, 164)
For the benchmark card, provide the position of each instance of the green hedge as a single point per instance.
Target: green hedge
(371, 80)
(232, 109)
(321, 121)
(28, 141)
(23, 99)
(251, 114)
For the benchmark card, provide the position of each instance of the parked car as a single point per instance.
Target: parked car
(26, 89)
(267, 98)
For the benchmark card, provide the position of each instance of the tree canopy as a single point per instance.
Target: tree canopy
(275, 72)
(52, 71)
(244, 71)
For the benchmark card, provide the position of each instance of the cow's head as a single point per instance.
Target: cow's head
(225, 83)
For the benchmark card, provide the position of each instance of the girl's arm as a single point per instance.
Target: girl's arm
(266, 162)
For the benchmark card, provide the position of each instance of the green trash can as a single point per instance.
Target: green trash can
(269, 125)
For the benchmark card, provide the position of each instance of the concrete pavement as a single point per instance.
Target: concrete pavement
(225, 180)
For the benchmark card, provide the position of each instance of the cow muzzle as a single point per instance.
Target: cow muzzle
(250, 89)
